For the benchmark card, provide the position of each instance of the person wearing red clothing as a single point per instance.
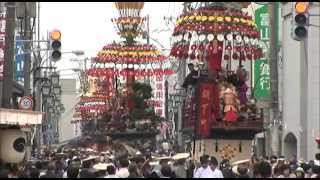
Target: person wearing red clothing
(230, 108)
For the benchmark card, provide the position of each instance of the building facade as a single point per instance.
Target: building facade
(299, 86)
(70, 97)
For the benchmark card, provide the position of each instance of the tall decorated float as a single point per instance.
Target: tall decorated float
(219, 39)
(120, 101)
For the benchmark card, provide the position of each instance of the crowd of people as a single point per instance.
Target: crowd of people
(146, 166)
(273, 167)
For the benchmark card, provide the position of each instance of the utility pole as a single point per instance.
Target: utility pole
(27, 45)
(27, 66)
(36, 85)
(274, 120)
(9, 55)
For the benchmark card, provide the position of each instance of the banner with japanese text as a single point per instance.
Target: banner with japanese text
(261, 73)
(19, 61)
(205, 94)
(2, 38)
(159, 96)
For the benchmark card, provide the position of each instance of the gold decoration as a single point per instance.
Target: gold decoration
(227, 152)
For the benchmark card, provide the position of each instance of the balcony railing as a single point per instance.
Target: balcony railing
(248, 124)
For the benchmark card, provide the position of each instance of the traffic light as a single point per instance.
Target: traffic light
(300, 20)
(55, 45)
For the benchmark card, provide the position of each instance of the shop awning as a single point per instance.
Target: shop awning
(20, 117)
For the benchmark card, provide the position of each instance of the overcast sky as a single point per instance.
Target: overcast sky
(87, 26)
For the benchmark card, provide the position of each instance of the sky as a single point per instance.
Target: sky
(87, 26)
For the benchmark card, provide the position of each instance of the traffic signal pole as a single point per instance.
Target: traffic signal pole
(274, 118)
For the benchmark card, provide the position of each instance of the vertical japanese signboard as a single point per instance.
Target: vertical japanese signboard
(2, 38)
(159, 96)
(19, 61)
(261, 80)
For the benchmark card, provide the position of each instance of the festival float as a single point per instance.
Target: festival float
(119, 99)
(219, 38)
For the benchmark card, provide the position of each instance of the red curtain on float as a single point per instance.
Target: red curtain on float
(215, 102)
(205, 106)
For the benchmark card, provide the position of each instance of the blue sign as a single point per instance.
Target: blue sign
(19, 61)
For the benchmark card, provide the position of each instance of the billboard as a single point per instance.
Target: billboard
(261, 73)
(19, 61)
(2, 38)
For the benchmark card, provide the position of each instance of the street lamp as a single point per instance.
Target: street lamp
(63, 110)
(58, 109)
(50, 109)
(49, 99)
(57, 90)
(78, 52)
(46, 89)
(55, 79)
(57, 101)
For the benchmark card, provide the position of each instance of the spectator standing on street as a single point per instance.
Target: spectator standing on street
(226, 169)
(316, 171)
(241, 171)
(133, 171)
(34, 173)
(50, 172)
(307, 169)
(264, 170)
(190, 168)
(111, 170)
(286, 172)
(216, 173)
(204, 171)
(123, 172)
(72, 172)
(299, 173)
(166, 172)
(179, 169)
(59, 168)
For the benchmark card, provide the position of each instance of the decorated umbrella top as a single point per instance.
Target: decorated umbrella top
(129, 58)
(129, 23)
(199, 32)
(133, 54)
(129, 8)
